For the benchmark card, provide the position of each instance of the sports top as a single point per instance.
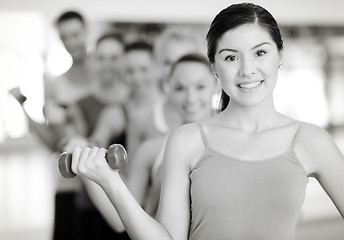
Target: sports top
(243, 200)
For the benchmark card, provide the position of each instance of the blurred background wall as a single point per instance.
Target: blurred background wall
(30, 50)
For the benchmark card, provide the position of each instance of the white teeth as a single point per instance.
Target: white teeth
(249, 85)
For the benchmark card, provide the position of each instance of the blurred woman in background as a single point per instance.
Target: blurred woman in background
(192, 87)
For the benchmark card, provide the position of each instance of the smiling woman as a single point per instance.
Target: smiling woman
(230, 134)
(251, 64)
(262, 181)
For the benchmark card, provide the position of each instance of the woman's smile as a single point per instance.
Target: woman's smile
(250, 86)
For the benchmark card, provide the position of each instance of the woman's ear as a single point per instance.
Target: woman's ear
(214, 71)
(281, 53)
(218, 85)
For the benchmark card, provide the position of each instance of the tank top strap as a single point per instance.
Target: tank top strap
(204, 137)
(296, 136)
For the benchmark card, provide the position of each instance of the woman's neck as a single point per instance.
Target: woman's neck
(252, 119)
(80, 72)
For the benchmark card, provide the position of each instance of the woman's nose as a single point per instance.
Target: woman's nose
(191, 95)
(247, 67)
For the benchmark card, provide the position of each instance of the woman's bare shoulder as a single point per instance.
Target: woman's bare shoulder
(314, 146)
(185, 143)
(313, 133)
(185, 133)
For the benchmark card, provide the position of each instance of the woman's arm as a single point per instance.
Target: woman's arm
(137, 181)
(175, 204)
(183, 148)
(110, 122)
(103, 204)
(323, 160)
(90, 163)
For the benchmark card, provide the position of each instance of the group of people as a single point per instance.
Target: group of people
(121, 92)
(237, 172)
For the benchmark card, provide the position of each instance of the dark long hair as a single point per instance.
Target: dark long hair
(235, 16)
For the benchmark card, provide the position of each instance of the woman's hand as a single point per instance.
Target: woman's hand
(91, 164)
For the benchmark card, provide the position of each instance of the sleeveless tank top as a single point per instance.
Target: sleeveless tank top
(244, 200)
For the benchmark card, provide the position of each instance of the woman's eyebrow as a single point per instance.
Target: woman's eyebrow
(227, 49)
(233, 50)
(261, 44)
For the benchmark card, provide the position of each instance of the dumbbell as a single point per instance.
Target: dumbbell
(116, 156)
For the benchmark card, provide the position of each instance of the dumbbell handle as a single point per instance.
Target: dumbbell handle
(116, 156)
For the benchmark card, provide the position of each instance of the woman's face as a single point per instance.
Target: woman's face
(139, 71)
(192, 89)
(247, 64)
(108, 54)
(73, 36)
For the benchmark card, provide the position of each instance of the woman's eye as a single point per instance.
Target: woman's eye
(231, 58)
(178, 88)
(260, 53)
(200, 87)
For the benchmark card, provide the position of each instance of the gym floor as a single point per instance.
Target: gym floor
(28, 174)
